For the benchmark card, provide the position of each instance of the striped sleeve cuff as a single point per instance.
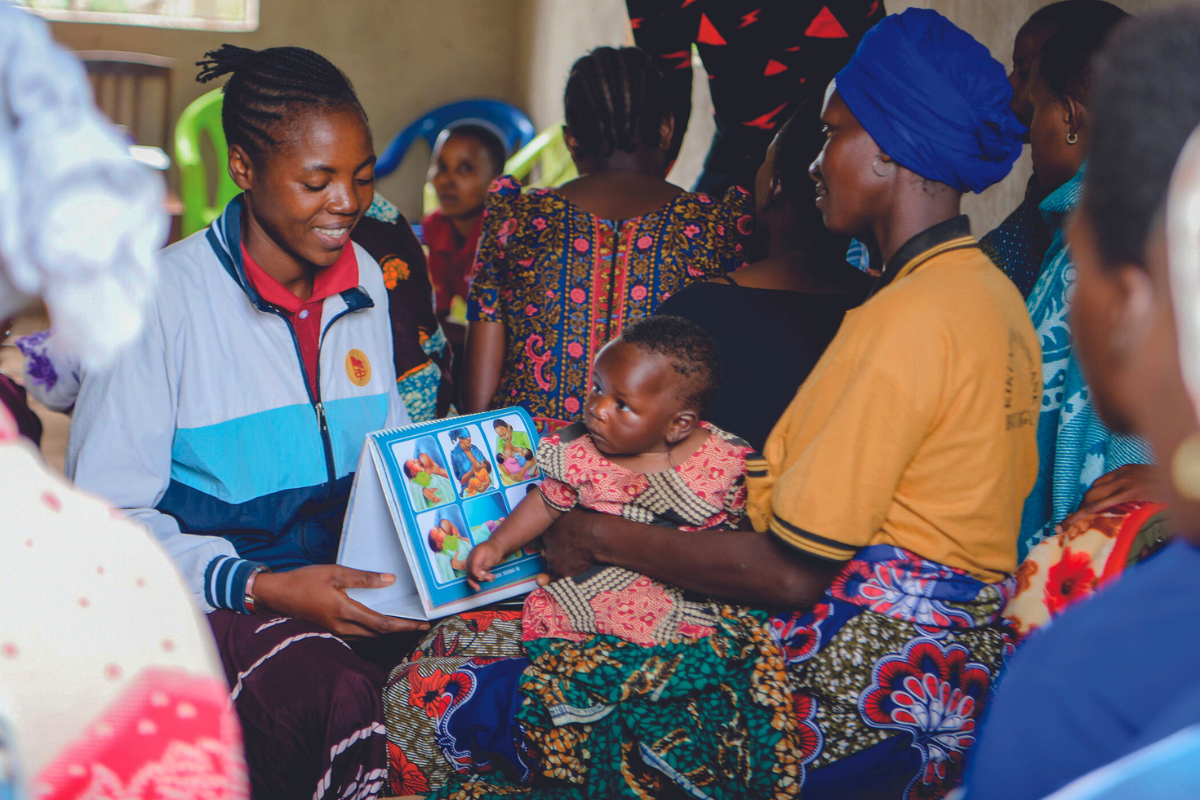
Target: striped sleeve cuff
(225, 582)
(811, 543)
(756, 465)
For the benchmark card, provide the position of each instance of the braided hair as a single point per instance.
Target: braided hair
(614, 100)
(266, 85)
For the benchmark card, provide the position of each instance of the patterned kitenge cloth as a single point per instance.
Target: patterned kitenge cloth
(1074, 446)
(707, 490)
(419, 347)
(877, 691)
(564, 282)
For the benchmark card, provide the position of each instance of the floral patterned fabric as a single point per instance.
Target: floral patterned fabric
(565, 282)
(877, 691)
(1071, 566)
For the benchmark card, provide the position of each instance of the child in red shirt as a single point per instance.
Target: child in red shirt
(466, 159)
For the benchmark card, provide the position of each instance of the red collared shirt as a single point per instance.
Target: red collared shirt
(450, 261)
(305, 317)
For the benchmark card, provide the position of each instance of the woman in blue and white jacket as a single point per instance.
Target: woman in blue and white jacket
(233, 427)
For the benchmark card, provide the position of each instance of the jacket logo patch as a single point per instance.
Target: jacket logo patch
(358, 367)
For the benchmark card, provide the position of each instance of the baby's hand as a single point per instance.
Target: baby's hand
(480, 561)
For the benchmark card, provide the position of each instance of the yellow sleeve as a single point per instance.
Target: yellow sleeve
(835, 462)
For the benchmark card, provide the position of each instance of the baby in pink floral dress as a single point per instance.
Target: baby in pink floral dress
(640, 452)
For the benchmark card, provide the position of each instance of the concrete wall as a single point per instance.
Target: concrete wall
(403, 56)
(406, 56)
(562, 31)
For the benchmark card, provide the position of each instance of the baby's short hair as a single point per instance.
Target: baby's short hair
(690, 350)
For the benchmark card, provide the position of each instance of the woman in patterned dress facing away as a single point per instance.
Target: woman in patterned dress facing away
(560, 271)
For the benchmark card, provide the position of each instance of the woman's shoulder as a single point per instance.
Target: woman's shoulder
(514, 209)
(736, 200)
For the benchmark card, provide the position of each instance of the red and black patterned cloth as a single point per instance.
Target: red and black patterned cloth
(763, 57)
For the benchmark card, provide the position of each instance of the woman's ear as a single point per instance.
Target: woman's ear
(571, 142)
(774, 193)
(666, 132)
(241, 168)
(1076, 116)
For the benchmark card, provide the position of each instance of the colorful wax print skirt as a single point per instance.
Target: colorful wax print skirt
(875, 692)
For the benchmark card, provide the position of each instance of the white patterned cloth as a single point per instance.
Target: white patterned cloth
(1074, 445)
(80, 220)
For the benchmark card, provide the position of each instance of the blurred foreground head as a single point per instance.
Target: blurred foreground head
(80, 220)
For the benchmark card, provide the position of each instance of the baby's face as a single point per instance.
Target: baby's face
(633, 401)
(413, 467)
(460, 173)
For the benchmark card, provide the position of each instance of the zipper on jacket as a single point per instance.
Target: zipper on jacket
(326, 440)
(315, 400)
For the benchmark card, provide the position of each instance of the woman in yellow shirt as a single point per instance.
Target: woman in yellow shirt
(886, 503)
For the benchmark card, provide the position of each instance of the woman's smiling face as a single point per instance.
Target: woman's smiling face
(843, 171)
(309, 191)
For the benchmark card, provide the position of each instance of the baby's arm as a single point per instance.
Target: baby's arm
(529, 520)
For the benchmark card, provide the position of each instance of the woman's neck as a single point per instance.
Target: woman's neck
(648, 160)
(911, 216)
(619, 194)
(792, 266)
(290, 272)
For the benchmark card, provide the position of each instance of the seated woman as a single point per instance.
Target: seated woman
(1018, 244)
(232, 426)
(792, 301)
(560, 271)
(886, 511)
(1119, 671)
(1083, 467)
(465, 161)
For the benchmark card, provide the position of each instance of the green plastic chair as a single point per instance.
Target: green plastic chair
(547, 153)
(200, 206)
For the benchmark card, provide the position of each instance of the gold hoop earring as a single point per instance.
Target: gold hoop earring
(1072, 138)
(875, 167)
(1185, 468)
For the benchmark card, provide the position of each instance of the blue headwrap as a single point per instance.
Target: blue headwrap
(934, 100)
(460, 433)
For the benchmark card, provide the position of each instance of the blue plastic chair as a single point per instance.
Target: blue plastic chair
(507, 121)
